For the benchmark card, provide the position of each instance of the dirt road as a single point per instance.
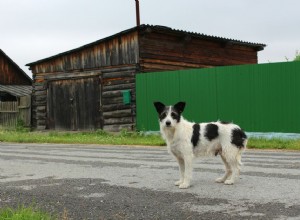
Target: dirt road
(116, 182)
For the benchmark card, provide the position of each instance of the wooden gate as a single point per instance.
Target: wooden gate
(74, 104)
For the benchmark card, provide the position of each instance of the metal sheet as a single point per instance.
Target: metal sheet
(260, 98)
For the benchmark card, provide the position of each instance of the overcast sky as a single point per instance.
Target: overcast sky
(35, 29)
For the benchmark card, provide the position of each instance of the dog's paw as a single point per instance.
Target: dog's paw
(229, 182)
(184, 185)
(177, 183)
(220, 180)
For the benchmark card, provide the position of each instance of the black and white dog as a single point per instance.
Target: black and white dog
(186, 140)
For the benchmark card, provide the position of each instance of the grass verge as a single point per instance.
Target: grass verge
(124, 138)
(95, 137)
(275, 143)
(24, 213)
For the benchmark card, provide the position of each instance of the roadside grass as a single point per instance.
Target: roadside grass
(274, 143)
(124, 138)
(24, 213)
(92, 137)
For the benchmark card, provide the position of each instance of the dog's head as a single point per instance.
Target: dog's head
(169, 116)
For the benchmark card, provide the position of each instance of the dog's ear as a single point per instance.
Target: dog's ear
(179, 106)
(159, 107)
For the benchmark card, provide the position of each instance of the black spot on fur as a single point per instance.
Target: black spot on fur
(238, 137)
(160, 107)
(211, 131)
(196, 134)
(175, 114)
(179, 106)
(163, 115)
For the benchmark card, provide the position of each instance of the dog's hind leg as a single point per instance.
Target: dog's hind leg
(228, 171)
(188, 165)
(235, 173)
(181, 170)
(235, 164)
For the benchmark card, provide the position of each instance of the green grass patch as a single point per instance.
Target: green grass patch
(124, 138)
(24, 213)
(95, 137)
(275, 143)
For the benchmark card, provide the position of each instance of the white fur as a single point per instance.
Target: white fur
(178, 138)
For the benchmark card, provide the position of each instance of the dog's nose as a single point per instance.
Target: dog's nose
(168, 123)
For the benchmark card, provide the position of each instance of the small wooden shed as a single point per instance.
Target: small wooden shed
(93, 86)
(15, 105)
(15, 93)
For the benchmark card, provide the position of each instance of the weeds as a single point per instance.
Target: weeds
(24, 213)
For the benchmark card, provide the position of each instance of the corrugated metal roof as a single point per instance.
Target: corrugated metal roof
(16, 90)
(257, 46)
(201, 35)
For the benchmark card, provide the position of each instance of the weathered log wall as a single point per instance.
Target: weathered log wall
(116, 114)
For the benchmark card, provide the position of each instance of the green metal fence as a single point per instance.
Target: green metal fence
(260, 98)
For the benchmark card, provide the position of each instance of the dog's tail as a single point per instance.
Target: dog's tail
(239, 154)
(239, 158)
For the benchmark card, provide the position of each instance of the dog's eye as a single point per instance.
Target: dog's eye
(163, 115)
(173, 115)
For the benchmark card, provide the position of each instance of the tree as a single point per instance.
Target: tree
(297, 57)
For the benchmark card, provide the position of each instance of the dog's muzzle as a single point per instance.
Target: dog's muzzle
(168, 123)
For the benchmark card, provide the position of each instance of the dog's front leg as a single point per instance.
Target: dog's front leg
(181, 170)
(188, 165)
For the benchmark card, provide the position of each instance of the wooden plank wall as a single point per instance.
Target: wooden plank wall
(11, 73)
(8, 114)
(165, 51)
(113, 52)
(11, 112)
(25, 110)
(116, 114)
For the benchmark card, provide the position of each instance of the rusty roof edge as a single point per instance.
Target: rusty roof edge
(10, 60)
(258, 46)
(209, 36)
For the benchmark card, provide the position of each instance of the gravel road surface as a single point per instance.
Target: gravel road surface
(118, 182)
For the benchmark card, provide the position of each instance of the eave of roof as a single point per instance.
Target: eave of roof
(16, 90)
(257, 46)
